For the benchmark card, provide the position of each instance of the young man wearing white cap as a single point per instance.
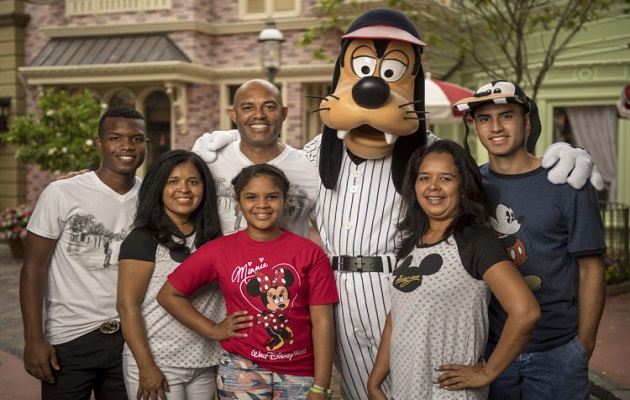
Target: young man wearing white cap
(554, 234)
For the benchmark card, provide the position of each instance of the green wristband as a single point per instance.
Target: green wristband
(321, 390)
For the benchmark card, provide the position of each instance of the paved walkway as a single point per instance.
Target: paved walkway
(15, 383)
(609, 373)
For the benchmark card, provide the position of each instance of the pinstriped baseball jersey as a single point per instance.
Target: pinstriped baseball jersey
(359, 217)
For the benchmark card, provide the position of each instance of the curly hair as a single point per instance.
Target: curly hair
(242, 179)
(472, 208)
(151, 215)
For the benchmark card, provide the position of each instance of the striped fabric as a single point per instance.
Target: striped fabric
(359, 217)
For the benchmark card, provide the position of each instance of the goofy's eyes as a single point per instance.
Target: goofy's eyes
(364, 66)
(392, 70)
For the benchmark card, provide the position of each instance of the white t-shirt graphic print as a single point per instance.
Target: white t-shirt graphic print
(89, 220)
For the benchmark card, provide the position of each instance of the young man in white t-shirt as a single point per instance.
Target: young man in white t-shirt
(68, 275)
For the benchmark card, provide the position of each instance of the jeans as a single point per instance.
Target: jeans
(92, 362)
(556, 374)
(240, 378)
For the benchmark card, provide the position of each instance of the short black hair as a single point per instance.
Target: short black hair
(119, 112)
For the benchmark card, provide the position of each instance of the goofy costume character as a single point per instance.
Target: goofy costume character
(374, 120)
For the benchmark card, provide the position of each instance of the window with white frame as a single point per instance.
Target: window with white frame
(256, 9)
(89, 7)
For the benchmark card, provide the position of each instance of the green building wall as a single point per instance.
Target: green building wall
(591, 72)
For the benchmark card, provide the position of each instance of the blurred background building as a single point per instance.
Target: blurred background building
(180, 61)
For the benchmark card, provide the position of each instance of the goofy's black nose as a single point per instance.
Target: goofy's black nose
(370, 92)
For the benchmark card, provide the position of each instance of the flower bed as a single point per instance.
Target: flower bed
(13, 221)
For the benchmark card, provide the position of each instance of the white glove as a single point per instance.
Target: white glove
(571, 165)
(208, 144)
(431, 137)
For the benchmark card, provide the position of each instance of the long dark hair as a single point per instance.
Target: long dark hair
(151, 215)
(472, 211)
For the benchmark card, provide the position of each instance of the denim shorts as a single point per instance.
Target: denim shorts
(240, 378)
(556, 374)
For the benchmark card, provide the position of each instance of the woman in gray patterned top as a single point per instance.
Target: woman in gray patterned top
(177, 213)
(448, 265)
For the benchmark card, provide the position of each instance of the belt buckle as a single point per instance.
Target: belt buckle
(359, 264)
(341, 263)
(109, 327)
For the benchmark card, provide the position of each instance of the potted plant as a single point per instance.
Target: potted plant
(13, 221)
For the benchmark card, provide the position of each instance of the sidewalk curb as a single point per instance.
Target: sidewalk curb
(605, 388)
(618, 288)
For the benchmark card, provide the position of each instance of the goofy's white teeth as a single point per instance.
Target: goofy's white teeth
(341, 134)
(389, 138)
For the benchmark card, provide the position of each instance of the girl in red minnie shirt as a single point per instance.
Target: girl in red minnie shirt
(283, 345)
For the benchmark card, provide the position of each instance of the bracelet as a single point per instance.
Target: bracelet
(321, 390)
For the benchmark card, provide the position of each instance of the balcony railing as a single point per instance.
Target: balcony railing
(617, 236)
(90, 7)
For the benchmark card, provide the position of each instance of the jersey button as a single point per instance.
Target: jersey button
(353, 189)
(347, 225)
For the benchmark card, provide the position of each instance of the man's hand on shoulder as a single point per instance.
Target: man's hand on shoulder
(572, 165)
(210, 143)
(72, 174)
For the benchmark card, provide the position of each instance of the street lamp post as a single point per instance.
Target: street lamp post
(270, 40)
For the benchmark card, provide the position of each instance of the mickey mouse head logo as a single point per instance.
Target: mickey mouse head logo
(409, 277)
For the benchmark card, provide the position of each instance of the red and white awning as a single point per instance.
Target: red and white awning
(439, 96)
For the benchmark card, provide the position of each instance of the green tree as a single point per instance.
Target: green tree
(61, 139)
(495, 35)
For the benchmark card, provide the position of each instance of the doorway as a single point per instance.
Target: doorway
(158, 117)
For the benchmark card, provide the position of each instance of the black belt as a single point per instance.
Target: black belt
(361, 264)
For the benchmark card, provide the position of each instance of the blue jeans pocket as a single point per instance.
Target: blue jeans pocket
(579, 349)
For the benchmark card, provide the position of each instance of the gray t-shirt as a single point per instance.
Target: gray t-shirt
(440, 312)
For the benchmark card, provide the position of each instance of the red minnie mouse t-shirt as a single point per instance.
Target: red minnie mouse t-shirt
(275, 282)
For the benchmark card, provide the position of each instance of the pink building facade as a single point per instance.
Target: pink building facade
(176, 61)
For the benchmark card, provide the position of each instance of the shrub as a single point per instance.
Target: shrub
(62, 138)
(617, 268)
